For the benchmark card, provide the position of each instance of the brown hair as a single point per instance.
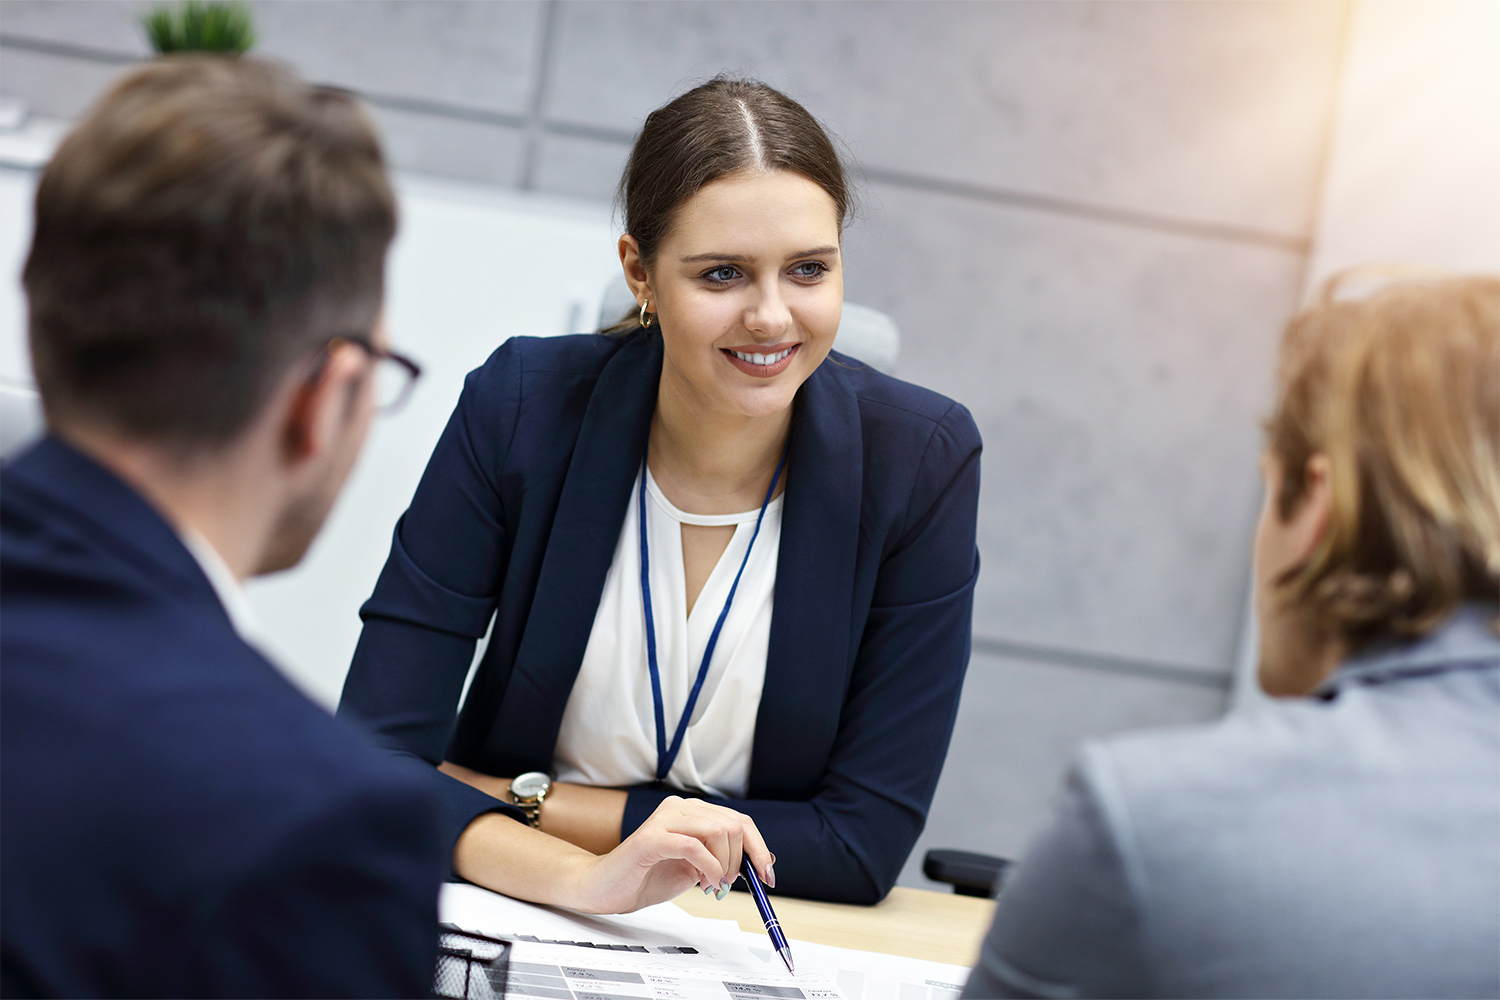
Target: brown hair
(1401, 392)
(713, 130)
(210, 221)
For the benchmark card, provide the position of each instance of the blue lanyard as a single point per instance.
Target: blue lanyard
(666, 756)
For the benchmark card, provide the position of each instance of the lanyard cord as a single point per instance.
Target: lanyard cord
(667, 756)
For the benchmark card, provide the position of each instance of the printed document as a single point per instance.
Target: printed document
(662, 951)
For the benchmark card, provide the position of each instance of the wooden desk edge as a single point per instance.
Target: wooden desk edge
(916, 923)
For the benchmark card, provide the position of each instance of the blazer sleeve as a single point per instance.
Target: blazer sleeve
(850, 840)
(1068, 923)
(343, 905)
(437, 591)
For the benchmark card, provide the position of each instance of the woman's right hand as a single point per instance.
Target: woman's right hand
(685, 842)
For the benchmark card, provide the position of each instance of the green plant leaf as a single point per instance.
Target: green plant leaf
(200, 26)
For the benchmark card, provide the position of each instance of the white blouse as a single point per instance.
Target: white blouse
(608, 733)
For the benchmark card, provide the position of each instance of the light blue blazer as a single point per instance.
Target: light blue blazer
(1341, 845)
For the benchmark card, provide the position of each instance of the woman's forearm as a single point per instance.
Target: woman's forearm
(580, 814)
(583, 815)
(499, 853)
(684, 842)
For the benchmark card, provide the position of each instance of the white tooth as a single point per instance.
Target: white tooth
(742, 357)
(759, 359)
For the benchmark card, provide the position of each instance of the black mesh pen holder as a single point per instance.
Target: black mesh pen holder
(470, 966)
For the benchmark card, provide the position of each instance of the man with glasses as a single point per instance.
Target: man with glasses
(205, 284)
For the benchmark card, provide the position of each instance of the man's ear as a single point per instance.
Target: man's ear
(321, 403)
(1309, 521)
(635, 268)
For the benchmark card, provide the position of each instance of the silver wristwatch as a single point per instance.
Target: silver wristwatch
(528, 791)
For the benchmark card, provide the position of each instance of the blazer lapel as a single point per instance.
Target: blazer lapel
(808, 661)
(580, 549)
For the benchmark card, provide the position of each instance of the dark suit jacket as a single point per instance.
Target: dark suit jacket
(518, 515)
(179, 821)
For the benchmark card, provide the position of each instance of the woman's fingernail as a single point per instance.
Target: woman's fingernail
(723, 891)
(707, 889)
(771, 872)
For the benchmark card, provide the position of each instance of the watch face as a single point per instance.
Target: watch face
(530, 785)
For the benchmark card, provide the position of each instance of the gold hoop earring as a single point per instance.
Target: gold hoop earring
(642, 317)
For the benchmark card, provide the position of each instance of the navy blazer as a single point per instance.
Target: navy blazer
(518, 515)
(178, 820)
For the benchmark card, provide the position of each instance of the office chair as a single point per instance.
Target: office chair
(970, 874)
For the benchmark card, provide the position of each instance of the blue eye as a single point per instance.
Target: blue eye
(723, 274)
(809, 269)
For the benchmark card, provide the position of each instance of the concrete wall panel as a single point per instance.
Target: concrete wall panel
(53, 85)
(1215, 112)
(482, 56)
(451, 148)
(107, 25)
(476, 55)
(1117, 375)
(570, 165)
(1018, 727)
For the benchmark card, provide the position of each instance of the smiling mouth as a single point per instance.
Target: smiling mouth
(763, 359)
(761, 364)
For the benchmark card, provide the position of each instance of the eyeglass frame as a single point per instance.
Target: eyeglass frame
(410, 368)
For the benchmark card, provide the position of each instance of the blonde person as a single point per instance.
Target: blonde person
(1343, 840)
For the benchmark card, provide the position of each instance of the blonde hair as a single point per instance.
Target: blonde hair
(1401, 391)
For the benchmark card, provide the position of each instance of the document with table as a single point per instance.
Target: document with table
(663, 951)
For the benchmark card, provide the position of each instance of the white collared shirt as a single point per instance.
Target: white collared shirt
(227, 587)
(608, 731)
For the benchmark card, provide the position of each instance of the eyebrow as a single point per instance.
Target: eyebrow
(741, 258)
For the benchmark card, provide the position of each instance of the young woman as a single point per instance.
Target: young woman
(718, 560)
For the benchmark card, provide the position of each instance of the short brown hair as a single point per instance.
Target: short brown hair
(1401, 391)
(211, 220)
(716, 129)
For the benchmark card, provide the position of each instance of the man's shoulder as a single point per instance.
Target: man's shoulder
(1377, 734)
(172, 781)
(157, 702)
(132, 701)
(1313, 826)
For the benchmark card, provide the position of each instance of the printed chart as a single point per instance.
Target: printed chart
(556, 972)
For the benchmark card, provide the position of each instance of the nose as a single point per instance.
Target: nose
(768, 315)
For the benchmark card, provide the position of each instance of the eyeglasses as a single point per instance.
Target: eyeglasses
(394, 381)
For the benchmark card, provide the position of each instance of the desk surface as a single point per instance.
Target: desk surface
(937, 926)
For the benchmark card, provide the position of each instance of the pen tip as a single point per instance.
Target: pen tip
(786, 956)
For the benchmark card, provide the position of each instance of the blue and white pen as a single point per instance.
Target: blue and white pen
(767, 915)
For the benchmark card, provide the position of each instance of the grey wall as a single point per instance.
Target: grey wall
(1089, 219)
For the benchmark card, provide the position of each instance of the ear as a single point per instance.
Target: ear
(636, 275)
(323, 403)
(1309, 521)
